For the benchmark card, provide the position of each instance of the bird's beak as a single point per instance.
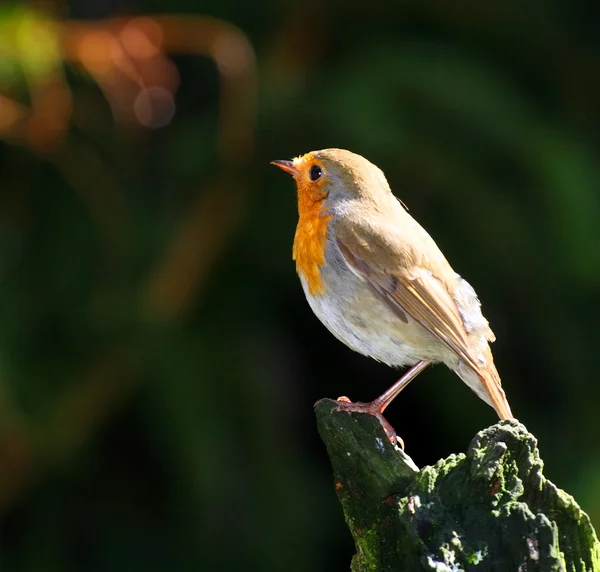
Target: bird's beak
(287, 166)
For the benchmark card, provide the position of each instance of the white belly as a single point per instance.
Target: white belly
(355, 316)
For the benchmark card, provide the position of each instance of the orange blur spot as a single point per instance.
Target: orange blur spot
(94, 51)
(142, 38)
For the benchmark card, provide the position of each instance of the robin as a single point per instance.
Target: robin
(379, 282)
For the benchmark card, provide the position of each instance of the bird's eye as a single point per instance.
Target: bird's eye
(315, 173)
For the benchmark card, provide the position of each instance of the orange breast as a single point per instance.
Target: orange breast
(309, 244)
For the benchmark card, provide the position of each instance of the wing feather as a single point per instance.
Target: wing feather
(418, 293)
(414, 290)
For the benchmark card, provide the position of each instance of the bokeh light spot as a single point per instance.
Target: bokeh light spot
(154, 107)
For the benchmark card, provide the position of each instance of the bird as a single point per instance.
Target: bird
(380, 284)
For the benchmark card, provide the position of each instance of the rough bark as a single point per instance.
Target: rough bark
(489, 509)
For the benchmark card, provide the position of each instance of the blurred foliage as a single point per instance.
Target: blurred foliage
(158, 362)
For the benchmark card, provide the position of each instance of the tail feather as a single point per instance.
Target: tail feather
(486, 384)
(493, 387)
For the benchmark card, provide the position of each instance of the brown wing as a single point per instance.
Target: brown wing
(405, 280)
(416, 292)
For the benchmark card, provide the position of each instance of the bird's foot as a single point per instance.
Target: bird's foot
(371, 408)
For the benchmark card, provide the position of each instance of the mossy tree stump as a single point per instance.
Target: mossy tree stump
(489, 509)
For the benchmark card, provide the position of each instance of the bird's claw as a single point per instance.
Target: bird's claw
(344, 404)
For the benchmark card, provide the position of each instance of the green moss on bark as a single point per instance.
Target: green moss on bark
(490, 509)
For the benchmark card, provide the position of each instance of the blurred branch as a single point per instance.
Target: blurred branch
(124, 43)
(120, 52)
(204, 230)
(123, 56)
(491, 509)
(197, 244)
(126, 57)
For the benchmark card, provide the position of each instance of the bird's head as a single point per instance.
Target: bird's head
(334, 176)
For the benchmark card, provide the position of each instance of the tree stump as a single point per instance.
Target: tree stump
(489, 509)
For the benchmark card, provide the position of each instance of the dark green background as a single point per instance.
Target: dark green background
(132, 439)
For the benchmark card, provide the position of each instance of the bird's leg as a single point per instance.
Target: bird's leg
(377, 406)
(390, 394)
